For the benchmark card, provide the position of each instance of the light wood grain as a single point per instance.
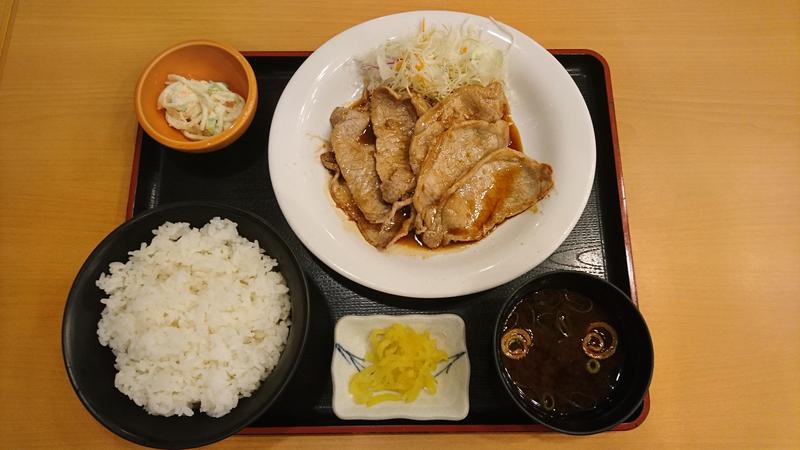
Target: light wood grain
(708, 109)
(7, 13)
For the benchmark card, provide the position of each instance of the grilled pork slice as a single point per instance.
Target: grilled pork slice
(458, 150)
(378, 235)
(472, 102)
(500, 186)
(356, 161)
(393, 118)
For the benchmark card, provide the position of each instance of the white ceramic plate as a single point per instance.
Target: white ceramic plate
(555, 128)
(451, 401)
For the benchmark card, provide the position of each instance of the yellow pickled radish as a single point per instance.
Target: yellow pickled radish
(402, 365)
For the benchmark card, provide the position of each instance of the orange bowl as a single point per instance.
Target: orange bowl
(199, 60)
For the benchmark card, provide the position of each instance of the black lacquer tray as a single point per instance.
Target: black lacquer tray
(239, 176)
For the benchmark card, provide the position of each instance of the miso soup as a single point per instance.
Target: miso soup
(561, 352)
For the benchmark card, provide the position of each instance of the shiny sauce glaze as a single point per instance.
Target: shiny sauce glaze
(411, 240)
(368, 136)
(561, 353)
(515, 140)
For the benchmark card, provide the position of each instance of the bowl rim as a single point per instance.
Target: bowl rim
(512, 298)
(214, 142)
(69, 309)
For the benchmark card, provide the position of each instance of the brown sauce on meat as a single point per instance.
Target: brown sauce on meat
(494, 196)
(412, 241)
(551, 351)
(499, 191)
(514, 141)
(362, 104)
(368, 136)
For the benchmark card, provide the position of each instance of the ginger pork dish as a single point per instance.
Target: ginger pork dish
(429, 154)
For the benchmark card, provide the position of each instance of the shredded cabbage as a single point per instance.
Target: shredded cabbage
(403, 362)
(200, 109)
(434, 62)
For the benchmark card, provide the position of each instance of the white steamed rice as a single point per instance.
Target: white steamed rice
(195, 318)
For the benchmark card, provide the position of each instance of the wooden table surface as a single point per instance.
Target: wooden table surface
(708, 110)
